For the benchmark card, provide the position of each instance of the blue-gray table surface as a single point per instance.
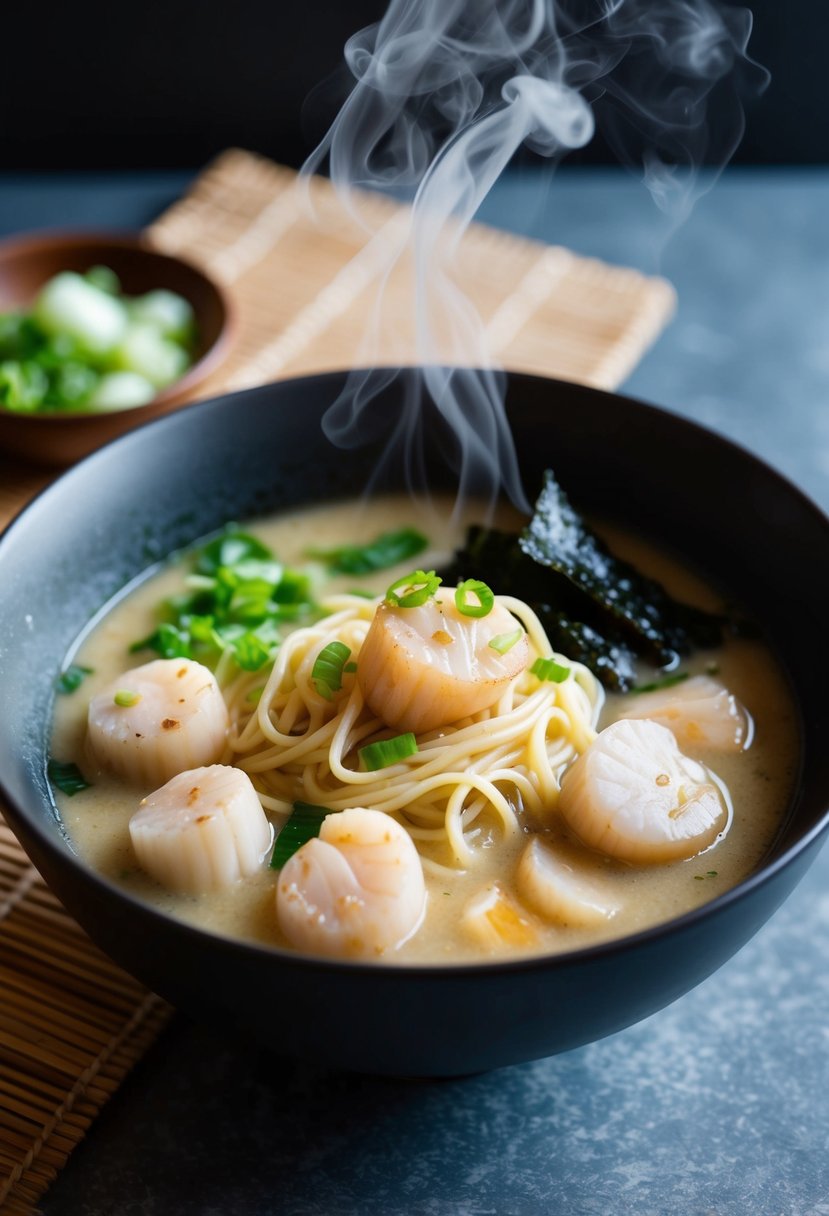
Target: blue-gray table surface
(719, 1103)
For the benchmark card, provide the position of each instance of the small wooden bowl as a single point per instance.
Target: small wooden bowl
(29, 261)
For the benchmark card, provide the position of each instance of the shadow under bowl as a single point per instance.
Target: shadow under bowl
(161, 487)
(28, 262)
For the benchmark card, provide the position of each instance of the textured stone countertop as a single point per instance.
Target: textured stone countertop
(718, 1104)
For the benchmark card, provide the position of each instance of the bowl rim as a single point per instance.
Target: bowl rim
(567, 959)
(138, 241)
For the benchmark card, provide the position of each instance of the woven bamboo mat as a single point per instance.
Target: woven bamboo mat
(71, 1022)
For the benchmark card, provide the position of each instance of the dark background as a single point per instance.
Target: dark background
(147, 85)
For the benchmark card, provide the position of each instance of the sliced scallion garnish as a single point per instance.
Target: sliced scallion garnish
(482, 593)
(416, 589)
(549, 669)
(302, 825)
(327, 672)
(388, 751)
(67, 777)
(126, 698)
(502, 642)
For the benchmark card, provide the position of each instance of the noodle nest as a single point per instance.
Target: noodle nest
(471, 779)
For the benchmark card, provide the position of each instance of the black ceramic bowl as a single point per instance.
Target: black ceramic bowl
(164, 485)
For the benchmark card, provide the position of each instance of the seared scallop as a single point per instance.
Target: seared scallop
(356, 891)
(158, 720)
(700, 712)
(633, 794)
(559, 891)
(202, 831)
(425, 667)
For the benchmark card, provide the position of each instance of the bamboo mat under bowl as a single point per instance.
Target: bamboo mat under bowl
(303, 279)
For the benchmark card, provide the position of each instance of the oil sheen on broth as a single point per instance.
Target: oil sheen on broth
(758, 779)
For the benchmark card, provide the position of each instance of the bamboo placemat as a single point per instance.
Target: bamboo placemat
(72, 1023)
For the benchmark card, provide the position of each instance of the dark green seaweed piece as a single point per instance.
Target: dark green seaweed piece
(659, 628)
(609, 658)
(560, 608)
(596, 608)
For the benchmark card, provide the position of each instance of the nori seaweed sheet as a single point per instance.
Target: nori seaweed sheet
(595, 607)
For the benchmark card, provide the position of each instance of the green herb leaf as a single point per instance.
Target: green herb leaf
(658, 685)
(388, 751)
(168, 641)
(251, 651)
(66, 776)
(302, 825)
(417, 588)
(549, 669)
(384, 551)
(72, 677)
(484, 596)
(327, 672)
(238, 596)
(228, 549)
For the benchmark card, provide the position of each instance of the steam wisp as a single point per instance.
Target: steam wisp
(445, 93)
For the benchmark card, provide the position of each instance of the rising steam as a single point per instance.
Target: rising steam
(445, 93)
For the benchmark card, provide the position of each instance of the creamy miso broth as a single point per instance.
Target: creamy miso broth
(474, 909)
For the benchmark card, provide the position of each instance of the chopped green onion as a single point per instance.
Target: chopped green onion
(327, 672)
(658, 685)
(301, 826)
(549, 669)
(104, 279)
(502, 642)
(350, 668)
(388, 751)
(417, 588)
(67, 777)
(72, 677)
(380, 553)
(83, 347)
(126, 698)
(485, 598)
